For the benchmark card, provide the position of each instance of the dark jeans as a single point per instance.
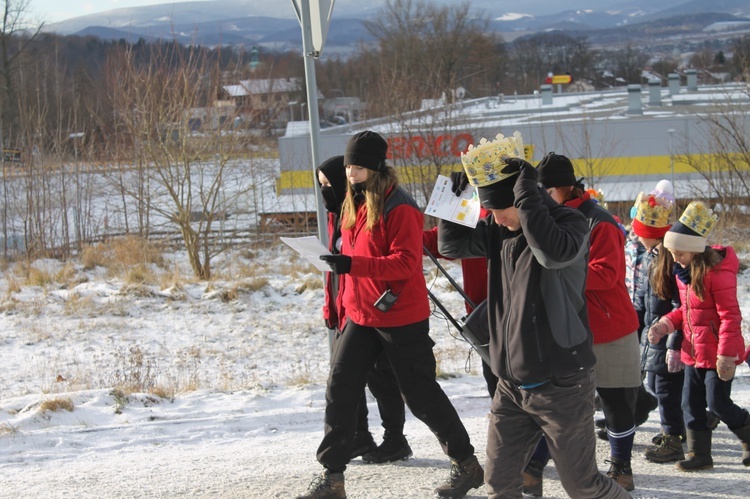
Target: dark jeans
(409, 351)
(668, 391)
(562, 410)
(703, 389)
(383, 385)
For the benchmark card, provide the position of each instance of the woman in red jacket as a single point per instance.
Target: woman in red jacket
(710, 319)
(612, 318)
(387, 312)
(381, 381)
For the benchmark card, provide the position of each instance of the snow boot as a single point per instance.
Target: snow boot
(363, 443)
(669, 449)
(621, 472)
(699, 451)
(533, 478)
(394, 448)
(743, 433)
(466, 475)
(327, 485)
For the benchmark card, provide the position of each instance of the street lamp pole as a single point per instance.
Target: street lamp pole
(671, 133)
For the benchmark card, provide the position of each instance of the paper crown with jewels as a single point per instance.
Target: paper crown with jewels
(483, 163)
(651, 211)
(691, 232)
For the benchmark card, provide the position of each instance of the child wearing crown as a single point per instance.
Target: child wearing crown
(710, 319)
(650, 215)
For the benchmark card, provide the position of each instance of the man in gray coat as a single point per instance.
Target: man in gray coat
(540, 341)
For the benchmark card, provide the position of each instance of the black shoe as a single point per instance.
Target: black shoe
(602, 435)
(656, 440)
(600, 423)
(363, 443)
(394, 448)
(464, 476)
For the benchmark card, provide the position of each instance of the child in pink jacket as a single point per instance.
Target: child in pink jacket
(710, 319)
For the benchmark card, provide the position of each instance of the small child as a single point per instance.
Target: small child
(710, 319)
(650, 215)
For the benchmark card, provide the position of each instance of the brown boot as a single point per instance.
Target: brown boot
(699, 451)
(533, 479)
(466, 475)
(669, 449)
(621, 472)
(327, 485)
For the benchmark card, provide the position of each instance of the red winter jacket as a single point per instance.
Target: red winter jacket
(387, 257)
(610, 309)
(333, 312)
(473, 270)
(713, 326)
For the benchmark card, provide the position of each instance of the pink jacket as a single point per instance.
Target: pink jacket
(712, 326)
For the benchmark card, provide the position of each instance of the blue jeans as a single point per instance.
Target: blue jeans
(562, 410)
(668, 391)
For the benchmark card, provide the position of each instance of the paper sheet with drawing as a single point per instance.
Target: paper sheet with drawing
(445, 204)
(310, 248)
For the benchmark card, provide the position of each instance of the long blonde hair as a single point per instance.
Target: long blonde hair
(376, 187)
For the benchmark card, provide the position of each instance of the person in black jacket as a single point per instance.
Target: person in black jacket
(540, 342)
(381, 381)
(650, 222)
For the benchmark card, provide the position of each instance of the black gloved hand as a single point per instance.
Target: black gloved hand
(526, 169)
(459, 182)
(340, 264)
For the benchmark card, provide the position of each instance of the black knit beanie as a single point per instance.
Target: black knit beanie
(367, 149)
(555, 170)
(333, 168)
(498, 196)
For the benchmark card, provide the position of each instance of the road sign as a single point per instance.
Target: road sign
(558, 79)
(320, 18)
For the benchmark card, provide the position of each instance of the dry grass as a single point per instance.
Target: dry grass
(14, 285)
(57, 404)
(7, 429)
(121, 254)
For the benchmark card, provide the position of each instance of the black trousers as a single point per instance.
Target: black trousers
(409, 352)
(383, 385)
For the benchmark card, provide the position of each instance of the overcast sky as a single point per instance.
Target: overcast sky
(56, 10)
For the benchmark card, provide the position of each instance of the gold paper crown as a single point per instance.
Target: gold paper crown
(652, 210)
(699, 218)
(483, 163)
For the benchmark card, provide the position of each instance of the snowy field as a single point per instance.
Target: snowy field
(236, 373)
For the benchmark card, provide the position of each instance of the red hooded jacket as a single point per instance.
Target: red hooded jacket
(712, 326)
(387, 257)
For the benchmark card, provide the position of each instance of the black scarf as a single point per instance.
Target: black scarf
(683, 274)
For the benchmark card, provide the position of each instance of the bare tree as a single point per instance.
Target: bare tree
(181, 142)
(725, 165)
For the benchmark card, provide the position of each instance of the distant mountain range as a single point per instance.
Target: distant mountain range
(273, 25)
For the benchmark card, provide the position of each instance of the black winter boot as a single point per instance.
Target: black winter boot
(394, 448)
(699, 451)
(464, 476)
(363, 443)
(743, 432)
(327, 485)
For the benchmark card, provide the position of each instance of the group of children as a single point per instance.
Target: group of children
(684, 293)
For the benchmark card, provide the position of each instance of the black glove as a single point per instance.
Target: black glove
(527, 171)
(340, 264)
(459, 182)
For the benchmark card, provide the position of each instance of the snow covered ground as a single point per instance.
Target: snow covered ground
(236, 373)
